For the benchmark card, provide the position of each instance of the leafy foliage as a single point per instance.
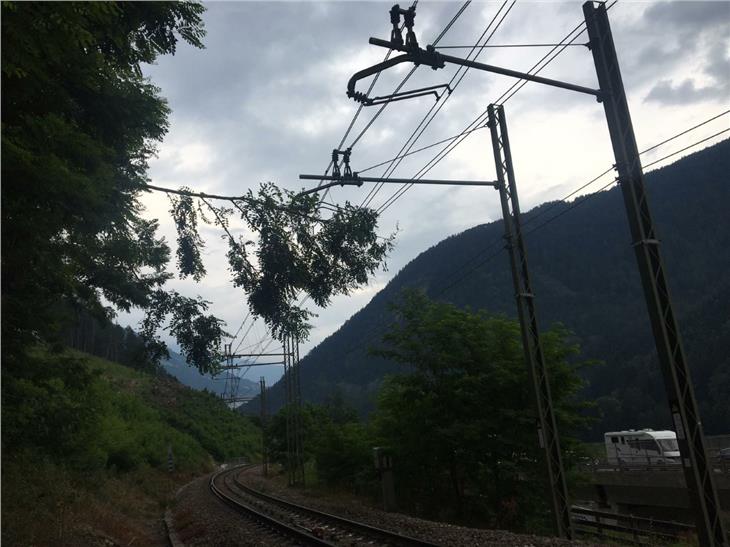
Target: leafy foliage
(83, 439)
(464, 415)
(297, 249)
(79, 126)
(336, 443)
(89, 414)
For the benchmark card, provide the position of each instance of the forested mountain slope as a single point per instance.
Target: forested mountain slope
(585, 276)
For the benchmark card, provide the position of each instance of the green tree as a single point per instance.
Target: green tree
(79, 125)
(335, 442)
(464, 416)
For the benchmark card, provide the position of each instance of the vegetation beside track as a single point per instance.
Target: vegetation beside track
(85, 448)
(459, 424)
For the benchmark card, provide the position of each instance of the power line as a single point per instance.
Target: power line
(447, 139)
(684, 132)
(344, 138)
(580, 201)
(686, 148)
(376, 188)
(460, 74)
(476, 122)
(480, 119)
(574, 205)
(233, 338)
(665, 141)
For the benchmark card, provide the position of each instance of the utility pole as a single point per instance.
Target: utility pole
(264, 444)
(294, 453)
(677, 382)
(678, 385)
(547, 430)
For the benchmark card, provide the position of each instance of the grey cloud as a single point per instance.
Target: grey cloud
(684, 93)
(698, 16)
(687, 91)
(273, 71)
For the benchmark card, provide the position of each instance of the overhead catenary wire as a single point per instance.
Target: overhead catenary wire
(233, 338)
(478, 123)
(460, 74)
(367, 126)
(462, 273)
(479, 120)
(686, 148)
(375, 189)
(359, 110)
(546, 59)
(645, 151)
(533, 218)
(578, 202)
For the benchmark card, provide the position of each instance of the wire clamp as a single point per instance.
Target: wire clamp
(395, 34)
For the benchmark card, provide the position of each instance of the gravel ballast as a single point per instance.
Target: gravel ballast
(201, 519)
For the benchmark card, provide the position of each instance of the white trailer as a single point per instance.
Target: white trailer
(642, 446)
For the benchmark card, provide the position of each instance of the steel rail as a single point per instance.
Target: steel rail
(359, 527)
(277, 525)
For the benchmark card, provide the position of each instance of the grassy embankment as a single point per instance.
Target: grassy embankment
(85, 449)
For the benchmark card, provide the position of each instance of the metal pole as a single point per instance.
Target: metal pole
(264, 448)
(298, 416)
(288, 406)
(677, 382)
(547, 431)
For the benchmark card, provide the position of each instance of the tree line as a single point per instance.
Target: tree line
(459, 422)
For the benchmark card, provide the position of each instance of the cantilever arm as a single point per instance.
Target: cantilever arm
(361, 97)
(340, 181)
(432, 58)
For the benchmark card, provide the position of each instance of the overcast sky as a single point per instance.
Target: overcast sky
(265, 101)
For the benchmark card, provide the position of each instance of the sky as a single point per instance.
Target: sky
(265, 101)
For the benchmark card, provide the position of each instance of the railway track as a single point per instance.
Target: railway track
(303, 525)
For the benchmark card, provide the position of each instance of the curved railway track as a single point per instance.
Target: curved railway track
(304, 525)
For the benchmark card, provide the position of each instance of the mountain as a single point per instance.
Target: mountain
(177, 366)
(585, 276)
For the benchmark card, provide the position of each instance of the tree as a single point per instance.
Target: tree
(298, 250)
(464, 416)
(79, 125)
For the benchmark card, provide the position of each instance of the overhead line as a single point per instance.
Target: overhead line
(376, 188)
(665, 141)
(684, 132)
(518, 85)
(459, 74)
(478, 120)
(686, 148)
(577, 203)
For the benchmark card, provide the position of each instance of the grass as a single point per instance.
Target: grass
(85, 449)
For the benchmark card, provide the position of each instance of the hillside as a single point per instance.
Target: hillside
(86, 443)
(585, 276)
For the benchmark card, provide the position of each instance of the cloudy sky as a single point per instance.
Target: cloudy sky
(265, 101)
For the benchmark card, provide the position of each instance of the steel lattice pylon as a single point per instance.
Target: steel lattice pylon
(677, 381)
(232, 380)
(295, 456)
(547, 431)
